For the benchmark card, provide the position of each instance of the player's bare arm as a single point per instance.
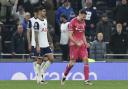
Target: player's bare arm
(37, 41)
(72, 39)
(50, 40)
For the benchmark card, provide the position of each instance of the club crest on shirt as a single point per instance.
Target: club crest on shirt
(44, 30)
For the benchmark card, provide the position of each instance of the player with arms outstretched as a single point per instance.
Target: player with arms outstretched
(78, 45)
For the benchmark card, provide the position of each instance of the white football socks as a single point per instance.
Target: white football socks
(45, 67)
(34, 67)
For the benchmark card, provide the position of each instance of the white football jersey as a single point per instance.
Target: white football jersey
(64, 33)
(43, 28)
(34, 26)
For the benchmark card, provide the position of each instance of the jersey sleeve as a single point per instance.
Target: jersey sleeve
(71, 25)
(29, 24)
(36, 26)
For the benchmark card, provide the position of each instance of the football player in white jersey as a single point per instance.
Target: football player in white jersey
(32, 27)
(42, 45)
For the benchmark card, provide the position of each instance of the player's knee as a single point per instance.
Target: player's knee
(71, 64)
(85, 60)
(51, 58)
(45, 58)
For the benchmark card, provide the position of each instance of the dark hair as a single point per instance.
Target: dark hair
(40, 8)
(64, 16)
(35, 9)
(82, 11)
(119, 22)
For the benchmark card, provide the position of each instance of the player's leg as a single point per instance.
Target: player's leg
(47, 64)
(38, 69)
(84, 55)
(36, 66)
(48, 60)
(67, 70)
(86, 71)
(42, 80)
(35, 61)
(73, 57)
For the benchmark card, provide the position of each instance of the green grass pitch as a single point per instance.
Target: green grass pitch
(68, 85)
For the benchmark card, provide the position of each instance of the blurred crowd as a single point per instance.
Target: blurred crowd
(106, 25)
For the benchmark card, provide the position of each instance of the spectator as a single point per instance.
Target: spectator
(27, 6)
(18, 14)
(26, 21)
(105, 27)
(55, 4)
(98, 48)
(64, 38)
(25, 25)
(18, 41)
(76, 5)
(119, 41)
(47, 4)
(91, 19)
(64, 9)
(121, 13)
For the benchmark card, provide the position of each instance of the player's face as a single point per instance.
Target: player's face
(82, 16)
(40, 12)
(44, 12)
(63, 19)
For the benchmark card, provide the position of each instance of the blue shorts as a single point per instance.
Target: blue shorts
(33, 51)
(43, 52)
